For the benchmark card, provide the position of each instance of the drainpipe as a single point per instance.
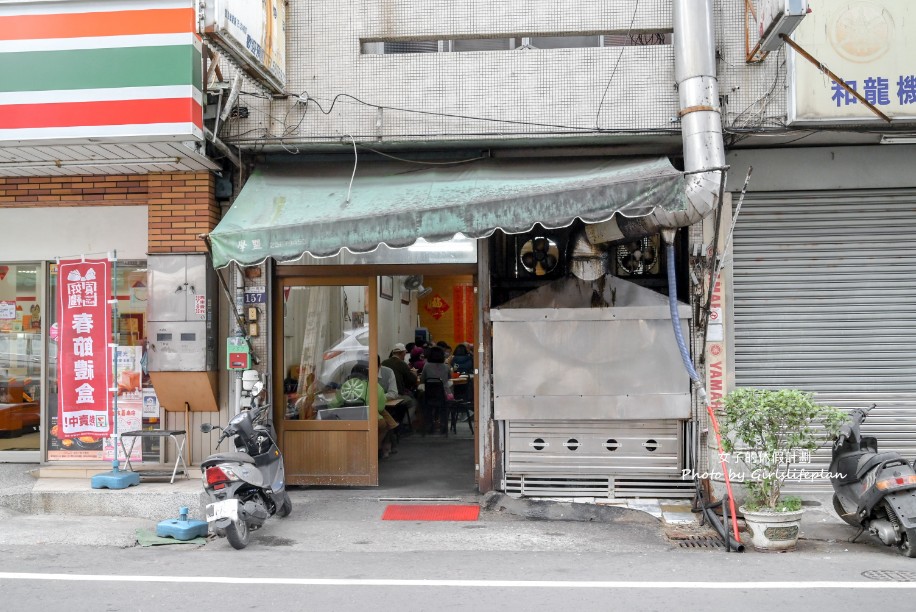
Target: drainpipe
(704, 166)
(701, 129)
(700, 114)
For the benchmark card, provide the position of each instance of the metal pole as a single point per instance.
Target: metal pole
(114, 353)
(817, 64)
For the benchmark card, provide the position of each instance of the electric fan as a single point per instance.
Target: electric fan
(539, 256)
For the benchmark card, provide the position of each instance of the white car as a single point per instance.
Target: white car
(349, 353)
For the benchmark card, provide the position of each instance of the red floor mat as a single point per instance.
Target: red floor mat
(436, 512)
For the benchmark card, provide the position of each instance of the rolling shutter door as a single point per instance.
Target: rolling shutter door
(824, 287)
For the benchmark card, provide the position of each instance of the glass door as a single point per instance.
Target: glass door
(325, 355)
(21, 312)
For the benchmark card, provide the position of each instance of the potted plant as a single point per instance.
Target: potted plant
(766, 430)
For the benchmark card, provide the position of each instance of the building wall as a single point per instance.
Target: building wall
(179, 206)
(153, 213)
(526, 92)
(595, 94)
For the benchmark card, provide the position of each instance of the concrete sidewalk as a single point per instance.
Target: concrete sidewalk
(68, 510)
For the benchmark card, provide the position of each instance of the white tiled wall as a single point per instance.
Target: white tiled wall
(492, 95)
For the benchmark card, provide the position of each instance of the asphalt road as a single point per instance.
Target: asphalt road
(277, 574)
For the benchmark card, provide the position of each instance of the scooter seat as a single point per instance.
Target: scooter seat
(226, 458)
(874, 460)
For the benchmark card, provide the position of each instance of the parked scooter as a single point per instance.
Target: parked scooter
(874, 491)
(245, 486)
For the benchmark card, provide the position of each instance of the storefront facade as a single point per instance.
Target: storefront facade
(126, 216)
(821, 294)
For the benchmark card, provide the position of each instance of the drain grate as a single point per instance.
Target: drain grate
(699, 542)
(890, 575)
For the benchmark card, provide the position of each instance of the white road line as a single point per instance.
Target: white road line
(521, 584)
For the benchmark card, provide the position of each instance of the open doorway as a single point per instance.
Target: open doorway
(433, 452)
(332, 337)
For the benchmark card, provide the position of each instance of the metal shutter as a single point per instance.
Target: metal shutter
(824, 287)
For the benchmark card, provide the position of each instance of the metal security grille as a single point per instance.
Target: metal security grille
(825, 301)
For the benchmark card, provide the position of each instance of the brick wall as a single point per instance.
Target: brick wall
(180, 206)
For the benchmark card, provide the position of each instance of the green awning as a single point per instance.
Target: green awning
(288, 209)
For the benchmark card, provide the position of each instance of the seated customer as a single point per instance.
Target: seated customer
(405, 378)
(437, 368)
(462, 360)
(386, 422)
(389, 383)
(416, 359)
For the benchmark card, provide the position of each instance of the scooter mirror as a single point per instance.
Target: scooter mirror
(206, 428)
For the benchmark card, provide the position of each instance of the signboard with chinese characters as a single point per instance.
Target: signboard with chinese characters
(84, 366)
(868, 45)
(254, 34)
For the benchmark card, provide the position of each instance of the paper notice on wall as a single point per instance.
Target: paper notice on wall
(130, 418)
(7, 310)
(150, 404)
(715, 333)
(130, 401)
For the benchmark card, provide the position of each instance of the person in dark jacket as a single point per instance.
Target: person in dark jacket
(462, 360)
(406, 379)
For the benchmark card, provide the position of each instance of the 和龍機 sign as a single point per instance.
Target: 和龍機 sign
(84, 360)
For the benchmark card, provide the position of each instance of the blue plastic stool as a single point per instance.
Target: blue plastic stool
(182, 528)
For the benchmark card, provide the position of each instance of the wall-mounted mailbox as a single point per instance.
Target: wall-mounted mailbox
(238, 356)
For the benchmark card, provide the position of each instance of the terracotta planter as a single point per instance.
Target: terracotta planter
(773, 531)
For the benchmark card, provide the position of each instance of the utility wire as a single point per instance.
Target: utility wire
(614, 72)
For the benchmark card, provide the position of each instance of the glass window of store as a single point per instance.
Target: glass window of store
(21, 309)
(137, 404)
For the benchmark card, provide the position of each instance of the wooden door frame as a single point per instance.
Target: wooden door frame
(371, 426)
(366, 274)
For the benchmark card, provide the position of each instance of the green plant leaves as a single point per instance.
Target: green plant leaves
(765, 428)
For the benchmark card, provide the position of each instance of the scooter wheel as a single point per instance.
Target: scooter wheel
(286, 507)
(238, 534)
(906, 547)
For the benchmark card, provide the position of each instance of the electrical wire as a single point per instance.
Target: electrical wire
(764, 99)
(309, 98)
(614, 71)
(355, 160)
(425, 163)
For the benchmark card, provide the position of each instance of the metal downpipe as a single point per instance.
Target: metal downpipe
(700, 113)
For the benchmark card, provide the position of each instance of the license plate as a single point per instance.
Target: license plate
(224, 509)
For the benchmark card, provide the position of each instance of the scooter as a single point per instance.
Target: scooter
(246, 486)
(873, 491)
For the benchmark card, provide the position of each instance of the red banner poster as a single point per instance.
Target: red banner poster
(84, 361)
(463, 298)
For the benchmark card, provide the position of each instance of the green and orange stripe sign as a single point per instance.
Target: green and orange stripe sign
(104, 68)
